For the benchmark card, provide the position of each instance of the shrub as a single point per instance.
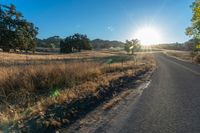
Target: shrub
(197, 58)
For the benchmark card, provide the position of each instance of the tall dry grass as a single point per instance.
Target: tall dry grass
(31, 89)
(185, 55)
(10, 57)
(21, 86)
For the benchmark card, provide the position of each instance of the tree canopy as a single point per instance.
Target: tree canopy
(15, 31)
(194, 29)
(132, 46)
(75, 43)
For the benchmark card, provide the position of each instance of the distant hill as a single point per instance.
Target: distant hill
(188, 45)
(171, 46)
(54, 42)
(51, 42)
(101, 44)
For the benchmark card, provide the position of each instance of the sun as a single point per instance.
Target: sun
(148, 35)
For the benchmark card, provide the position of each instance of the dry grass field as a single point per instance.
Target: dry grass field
(37, 86)
(184, 55)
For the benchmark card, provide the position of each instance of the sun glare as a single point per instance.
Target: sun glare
(148, 35)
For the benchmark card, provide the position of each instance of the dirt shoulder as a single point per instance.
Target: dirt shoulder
(106, 115)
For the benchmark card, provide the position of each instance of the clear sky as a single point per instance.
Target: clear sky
(107, 19)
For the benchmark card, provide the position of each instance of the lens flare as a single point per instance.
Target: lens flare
(148, 35)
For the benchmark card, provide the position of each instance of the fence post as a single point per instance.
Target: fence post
(122, 63)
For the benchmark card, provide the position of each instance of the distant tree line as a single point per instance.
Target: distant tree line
(54, 42)
(16, 32)
(75, 43)
(171, 46)
(106, 44)
(189, 45)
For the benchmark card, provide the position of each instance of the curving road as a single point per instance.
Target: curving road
(171, 103)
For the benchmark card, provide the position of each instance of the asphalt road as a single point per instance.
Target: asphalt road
(171, 103)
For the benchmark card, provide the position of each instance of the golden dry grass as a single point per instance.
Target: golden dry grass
(10, 57)
(29, 90)
(17, 84)
(180, 54)
(188, 56)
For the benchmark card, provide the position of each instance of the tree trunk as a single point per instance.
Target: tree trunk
(132, 51)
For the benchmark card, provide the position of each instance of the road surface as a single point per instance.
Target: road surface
(171, 103)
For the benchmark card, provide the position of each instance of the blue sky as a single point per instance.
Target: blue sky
(107, 19)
